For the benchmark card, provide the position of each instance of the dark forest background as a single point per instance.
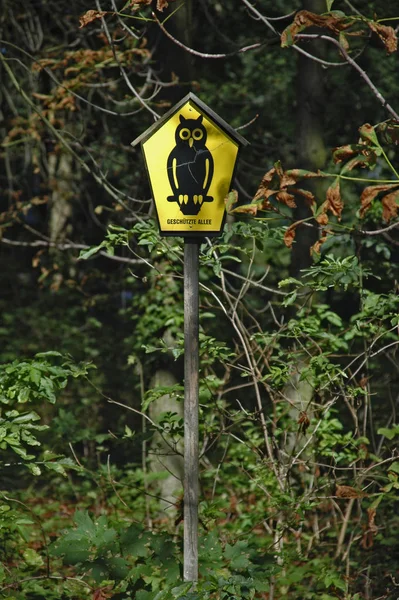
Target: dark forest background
(298, 303)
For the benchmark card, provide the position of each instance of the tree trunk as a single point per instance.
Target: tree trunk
(311, 151)
(165, 456)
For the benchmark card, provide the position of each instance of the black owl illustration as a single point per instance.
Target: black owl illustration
(190, 166)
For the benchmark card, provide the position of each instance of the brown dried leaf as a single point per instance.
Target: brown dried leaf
(137, 2)
(161, 4)
(286, 180)
(390, 131)
(305, 18)
(344, 152)
(250, 209)
(264, 184)
(303, 421)
(322, 218)
(367, 159)
(102, 593)
(90, 16)
(333, 200)
(386, 34)
(297, 174)
(369, 193)
(372, 529)
(286, 198)
(390, 206)
(315, 249)
(371, 513)
(346, 491)
(289, 235)
(309, 196)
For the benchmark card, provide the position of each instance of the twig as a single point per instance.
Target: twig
(353, 63)
(204, 54)
(344, 527)
(71, 246)
(112, 481)
(378, 231)
(139, 412)
(266, 21)
(122, 70)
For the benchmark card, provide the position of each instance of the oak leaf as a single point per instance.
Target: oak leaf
(90, 16)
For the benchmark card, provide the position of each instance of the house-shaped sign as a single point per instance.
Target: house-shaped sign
(190, 156)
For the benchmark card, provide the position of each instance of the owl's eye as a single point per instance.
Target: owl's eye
(198, 134)
(185, 133)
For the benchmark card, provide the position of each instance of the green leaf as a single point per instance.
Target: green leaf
(34, 469)
(50, 353)
(84, 523)
(334, 579)
(389, 433)
(329, 4)
(24, 394)
(394, 467)
(85, 254)
(135, 541)
(32, 558)
(26, 418)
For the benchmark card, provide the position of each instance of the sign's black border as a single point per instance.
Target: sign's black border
(232, 133)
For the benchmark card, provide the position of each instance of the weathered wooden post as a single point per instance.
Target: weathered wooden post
(191, 408)
(190, 155)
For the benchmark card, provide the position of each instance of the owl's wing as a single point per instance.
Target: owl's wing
(208, 172)
(172, 172)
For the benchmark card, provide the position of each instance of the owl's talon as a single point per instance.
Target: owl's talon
(185, 198)
(195, 198)
(181, 198)
(200, 198)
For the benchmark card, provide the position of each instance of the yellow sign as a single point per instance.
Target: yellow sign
(190, 156)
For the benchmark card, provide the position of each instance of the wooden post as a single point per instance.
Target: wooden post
(191, 377)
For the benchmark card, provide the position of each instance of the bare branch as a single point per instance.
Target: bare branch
(203, 54)
(378, 231)
(122, 70)
(71, 246)
(353, 63)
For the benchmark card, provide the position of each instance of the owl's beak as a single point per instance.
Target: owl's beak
(191, 141)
